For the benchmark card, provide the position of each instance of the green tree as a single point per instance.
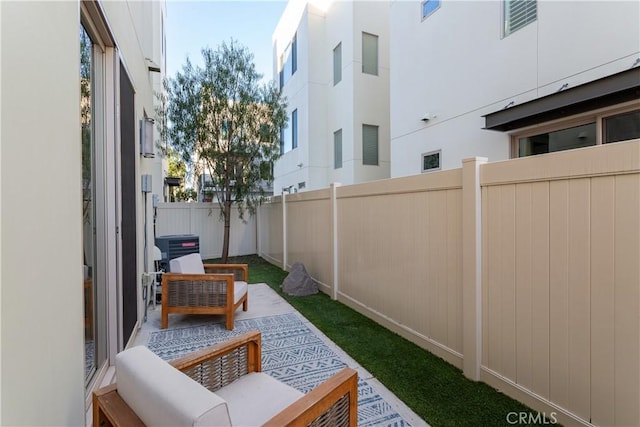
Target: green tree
(176, 166)
(178, 169)
(222, 121)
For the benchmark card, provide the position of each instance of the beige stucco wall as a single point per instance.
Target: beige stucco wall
(135, 33)
(42, 372)
(42, 343)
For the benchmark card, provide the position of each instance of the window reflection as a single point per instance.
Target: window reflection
(86, 103)
(289, 61)
(622, 127)
(564, 139)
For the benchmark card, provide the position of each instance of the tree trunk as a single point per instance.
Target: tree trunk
(227, 228)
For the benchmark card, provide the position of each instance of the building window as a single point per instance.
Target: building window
(289, 134)
(337, 64)
(289, 61)
(337, 149)
(294, 54)
(294, 129)
(428, 7)
(614, 125)
(369, 54)
(558, 140)
(369, 145)
(621, 127)
(431, 161)
(518, 13)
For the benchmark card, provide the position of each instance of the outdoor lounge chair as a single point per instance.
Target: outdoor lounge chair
(221, 386)
(195, 288)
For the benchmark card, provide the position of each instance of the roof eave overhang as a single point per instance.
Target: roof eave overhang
(604, 92)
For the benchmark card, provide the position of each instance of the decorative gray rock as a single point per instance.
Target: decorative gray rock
(298, 283)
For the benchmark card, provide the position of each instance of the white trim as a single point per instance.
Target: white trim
(104, 158)
(116, 336)
(111, 182)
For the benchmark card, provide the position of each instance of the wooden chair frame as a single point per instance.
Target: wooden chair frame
(209, 293)
(332, 403)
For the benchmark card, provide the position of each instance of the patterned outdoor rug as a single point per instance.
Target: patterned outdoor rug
(291, 352)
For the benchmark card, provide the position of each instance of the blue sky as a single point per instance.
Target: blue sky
(193, 25)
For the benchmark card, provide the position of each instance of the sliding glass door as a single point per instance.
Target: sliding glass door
(87, 99)
(94, 130)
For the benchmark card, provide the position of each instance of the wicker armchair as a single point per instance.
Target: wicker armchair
(198, 288)
(227, 365)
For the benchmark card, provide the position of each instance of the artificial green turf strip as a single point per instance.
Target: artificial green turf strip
(435, 390)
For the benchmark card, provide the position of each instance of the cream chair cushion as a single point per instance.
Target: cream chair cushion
(187, 264)
(162, 395)
(192, 264)
(240, 288)
(255, 398)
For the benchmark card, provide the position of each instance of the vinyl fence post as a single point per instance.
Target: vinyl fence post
(258, 230)
(192, 220)
(334, 239)
(471, 267)
(284, 231)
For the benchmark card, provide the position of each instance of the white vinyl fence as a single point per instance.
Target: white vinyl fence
(203, 220)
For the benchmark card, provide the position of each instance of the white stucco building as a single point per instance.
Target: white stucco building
(77, 81)
(332, 62)
(548, 75)
(453, 79)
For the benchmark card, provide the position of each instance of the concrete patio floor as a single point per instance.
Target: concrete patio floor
(264, 301)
